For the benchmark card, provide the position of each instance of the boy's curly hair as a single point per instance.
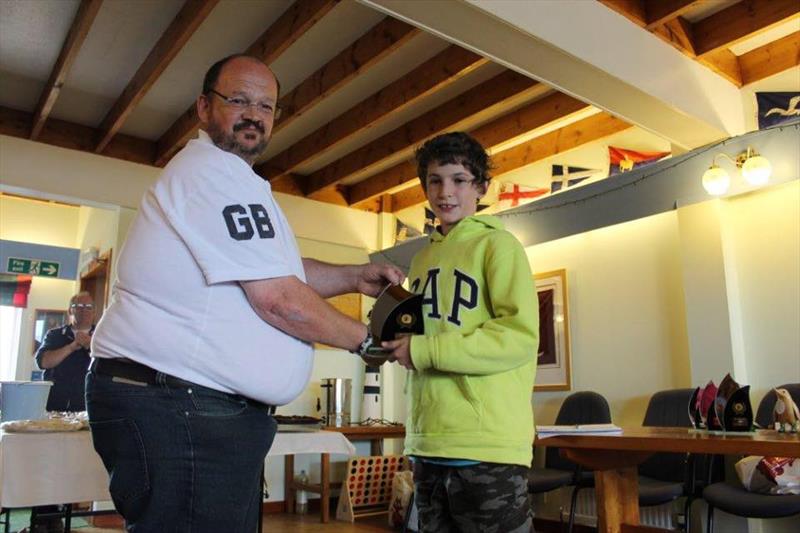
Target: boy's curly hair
(454, 148)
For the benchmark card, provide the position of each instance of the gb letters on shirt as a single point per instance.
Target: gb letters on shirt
(244, 222)
(465, 294)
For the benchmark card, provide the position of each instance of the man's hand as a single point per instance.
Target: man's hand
(374, 277)
(401, 351)
(83, 339)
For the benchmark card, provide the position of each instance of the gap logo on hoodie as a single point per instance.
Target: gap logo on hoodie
(465, 294)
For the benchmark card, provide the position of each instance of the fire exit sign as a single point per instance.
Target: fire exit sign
(34, 267)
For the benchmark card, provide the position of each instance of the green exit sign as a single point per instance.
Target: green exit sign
(34, 267)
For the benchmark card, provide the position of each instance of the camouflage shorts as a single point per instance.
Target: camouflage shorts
(485, 498)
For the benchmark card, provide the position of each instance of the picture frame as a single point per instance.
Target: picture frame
(554, 355)
(43, 321)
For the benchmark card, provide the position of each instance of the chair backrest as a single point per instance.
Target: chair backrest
(767, 404)
(669, 408)
(585, 407)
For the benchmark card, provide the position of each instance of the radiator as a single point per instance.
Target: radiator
(660, 516)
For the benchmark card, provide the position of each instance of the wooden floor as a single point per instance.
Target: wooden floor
(293, 523)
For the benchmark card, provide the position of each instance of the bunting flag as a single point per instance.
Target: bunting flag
(777, 108)
(513, 194)
(14, 290)
(623, 160)
(430, 222)
(565, 176)
(404, 231)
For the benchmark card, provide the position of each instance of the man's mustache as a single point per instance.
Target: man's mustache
(246, 123)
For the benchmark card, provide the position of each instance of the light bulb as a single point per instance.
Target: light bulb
(757, 170)
(716, 181)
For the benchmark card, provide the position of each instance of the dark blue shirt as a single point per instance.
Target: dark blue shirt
(68, 376)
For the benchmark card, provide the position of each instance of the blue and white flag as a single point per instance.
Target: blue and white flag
(564, 176)
(777, 108)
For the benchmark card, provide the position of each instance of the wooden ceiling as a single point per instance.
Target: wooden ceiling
(340, 161)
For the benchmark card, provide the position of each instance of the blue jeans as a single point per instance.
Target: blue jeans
(181, 457)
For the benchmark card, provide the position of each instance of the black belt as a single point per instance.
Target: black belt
(131, 370)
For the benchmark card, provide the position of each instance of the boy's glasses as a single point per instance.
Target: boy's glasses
(241, 103)
(81, 306)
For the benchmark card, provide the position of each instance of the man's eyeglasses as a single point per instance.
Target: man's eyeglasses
(241, 103)
(81, 306)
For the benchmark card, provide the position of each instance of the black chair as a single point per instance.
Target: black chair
(665, 477)
(732, 498)
(578, 408)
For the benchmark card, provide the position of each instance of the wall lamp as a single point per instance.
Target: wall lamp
(755, 168)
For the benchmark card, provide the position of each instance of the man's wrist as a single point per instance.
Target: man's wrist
(365, 345)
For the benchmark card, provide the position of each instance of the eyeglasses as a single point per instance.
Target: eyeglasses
(241, 103)
(82, 306)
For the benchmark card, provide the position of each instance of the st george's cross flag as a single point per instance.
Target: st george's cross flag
(623, 160)
(777, 108)
(514, 194)
(565, 176)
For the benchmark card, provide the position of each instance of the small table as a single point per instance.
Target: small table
(374, 434)
(614, 459)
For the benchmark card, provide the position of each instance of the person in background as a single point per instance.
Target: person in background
(470, 425)
(211, 323)
(64, 355)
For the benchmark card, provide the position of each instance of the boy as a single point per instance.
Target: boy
(470, 424)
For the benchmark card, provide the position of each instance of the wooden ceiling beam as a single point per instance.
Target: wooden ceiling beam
(433, 75)
(76, 137)
(659, 12)
(740, 21)
(81, 24)
(491, 95)
(182, 27)
(771, 58)
(678, 33)
(550, 144)
(633, 10)
(367, 51)
(553, 107)
(284, 32)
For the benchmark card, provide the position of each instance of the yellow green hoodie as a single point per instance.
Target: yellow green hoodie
(470, 395)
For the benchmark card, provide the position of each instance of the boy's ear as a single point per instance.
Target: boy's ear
(483, 188)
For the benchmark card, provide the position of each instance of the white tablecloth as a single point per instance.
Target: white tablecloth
(52, 468)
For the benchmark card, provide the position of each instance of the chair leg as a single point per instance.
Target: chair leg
(710, 519)
(687, 514)
(572, 508)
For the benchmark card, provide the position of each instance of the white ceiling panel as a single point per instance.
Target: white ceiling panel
(418, 50)
(231, 27)
(31, 35)
(120, 39)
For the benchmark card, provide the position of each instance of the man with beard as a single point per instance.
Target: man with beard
(211, 323)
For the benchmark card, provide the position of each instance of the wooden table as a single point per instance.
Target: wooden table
(614, 459)
(374, 434)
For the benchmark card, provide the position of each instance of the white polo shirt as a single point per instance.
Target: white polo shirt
(177, 306)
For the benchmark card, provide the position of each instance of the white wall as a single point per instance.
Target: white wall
(626, 314)
(39, 223)
(765, 230)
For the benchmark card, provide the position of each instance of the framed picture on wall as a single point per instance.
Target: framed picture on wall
(43, 321)
(553, 358)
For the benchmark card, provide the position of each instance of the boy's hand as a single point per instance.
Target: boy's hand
(401, 351)
(374, 277)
